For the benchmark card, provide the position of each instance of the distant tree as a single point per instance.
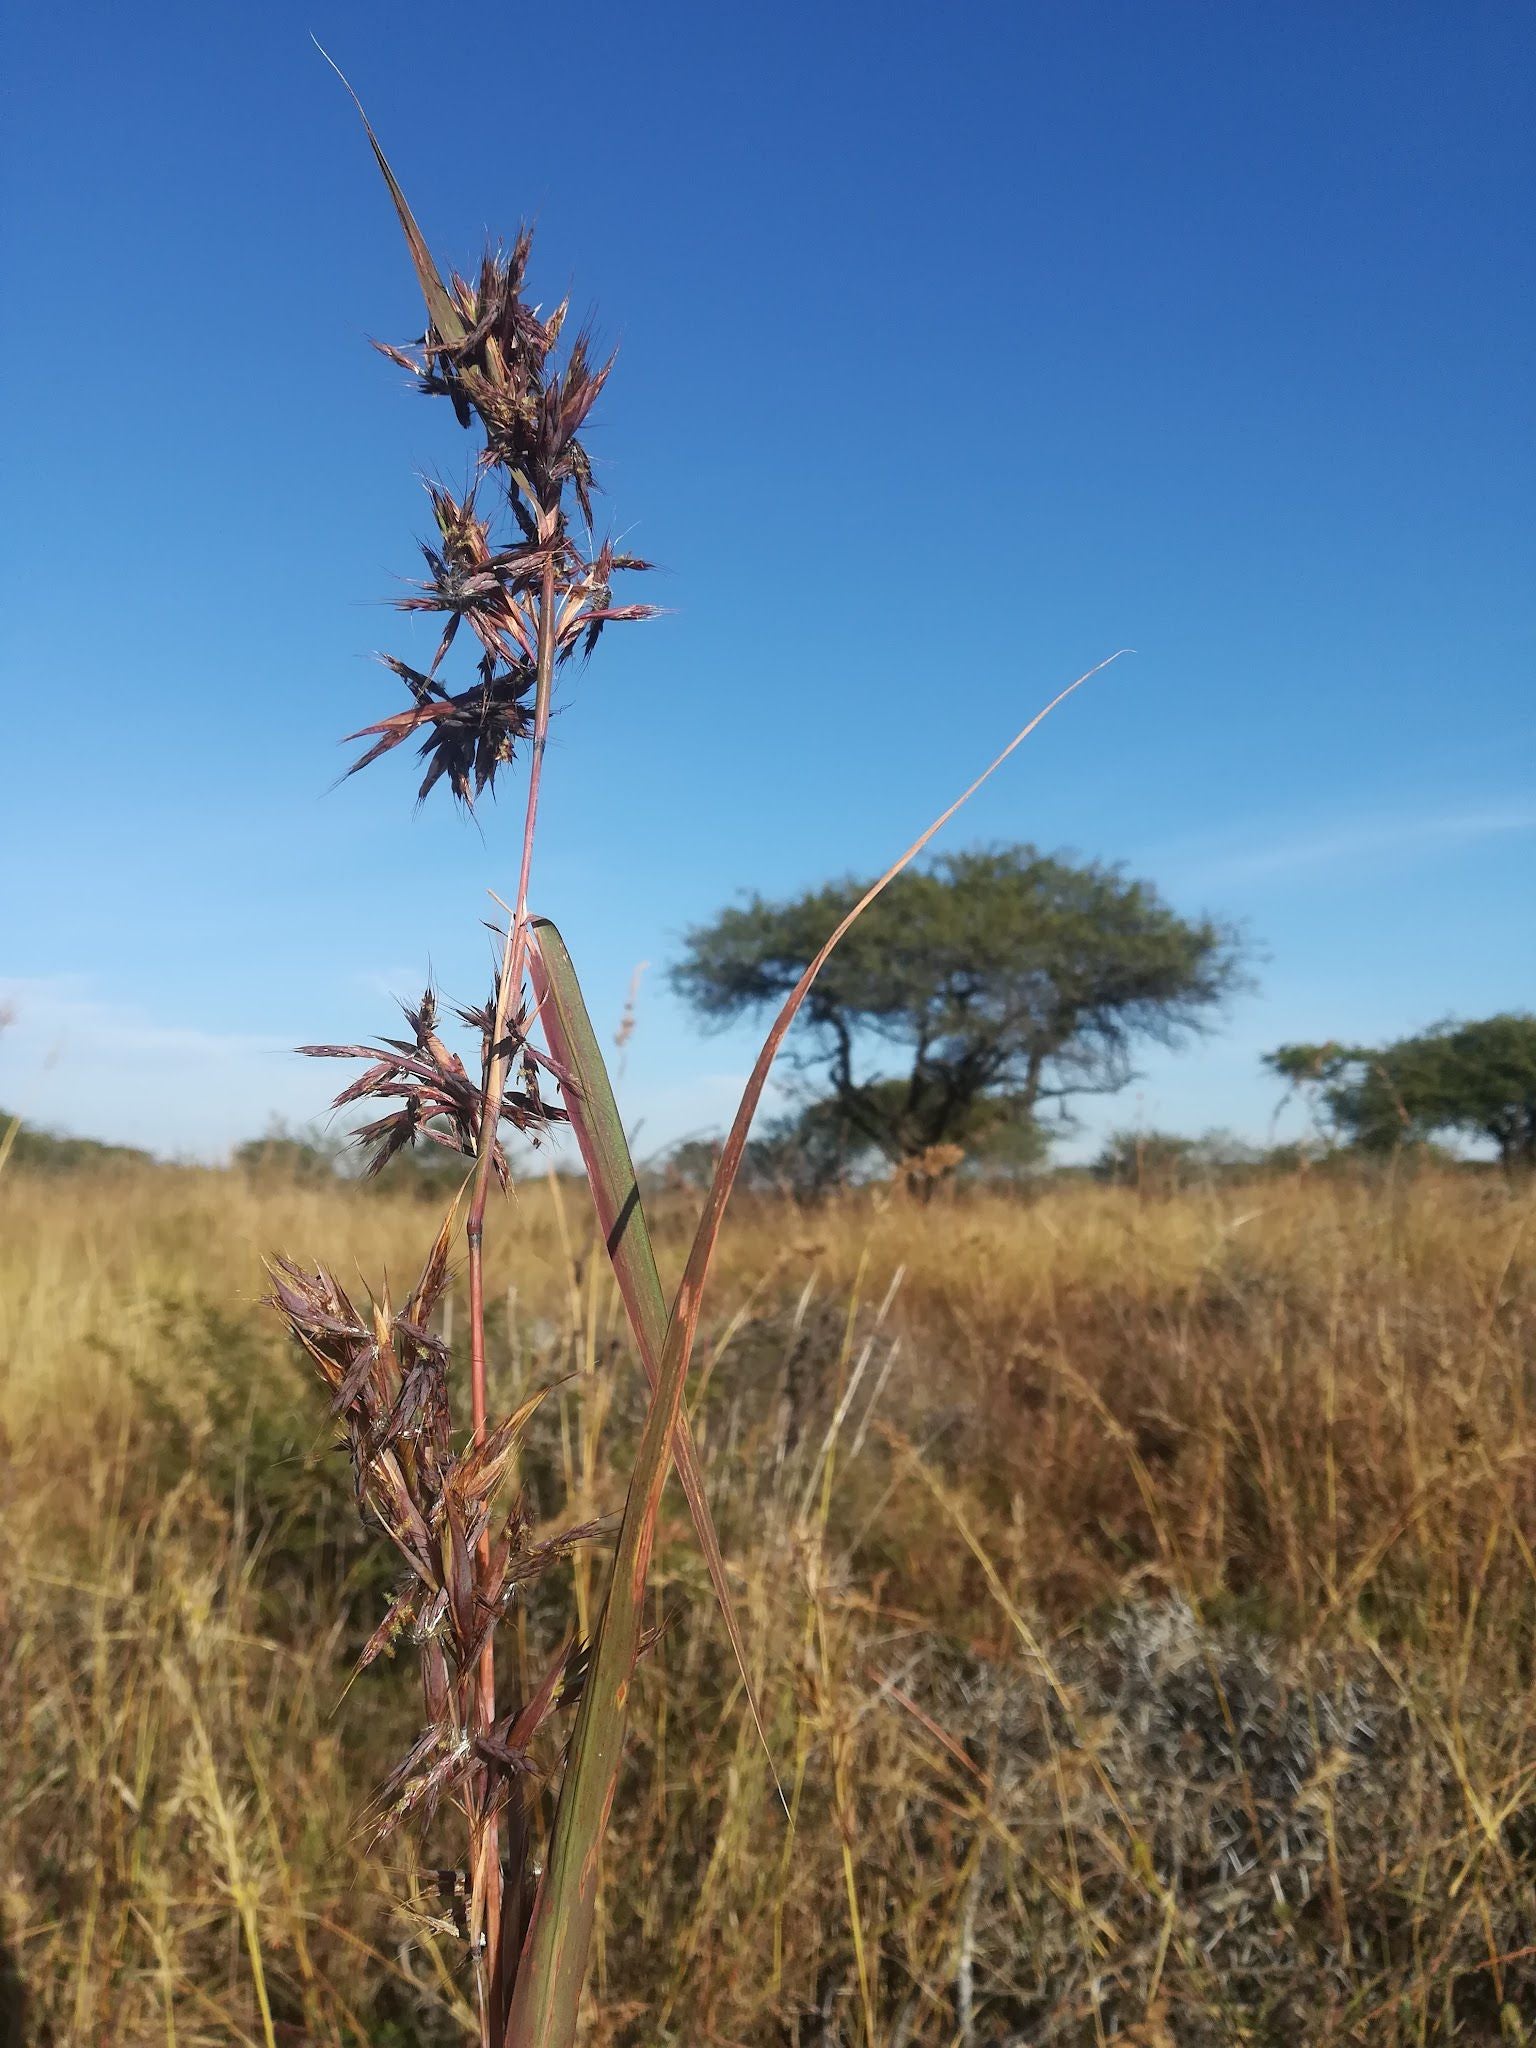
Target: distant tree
(800, 1153)
(804, 1152)
(282, 1154)
(1141, 1159)
(426, 1170)
(807, 1151)
(1164, 1160)
(21, 1144)
(1315, 1074)
(689, 1164)
(1468, 1080)
(1000, 982)
(430, 1172)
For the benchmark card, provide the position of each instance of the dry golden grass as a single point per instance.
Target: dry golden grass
(1142, 1594)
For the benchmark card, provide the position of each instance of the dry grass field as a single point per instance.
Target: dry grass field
(1141, 1593)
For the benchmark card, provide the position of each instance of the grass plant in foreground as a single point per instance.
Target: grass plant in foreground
(510, 572)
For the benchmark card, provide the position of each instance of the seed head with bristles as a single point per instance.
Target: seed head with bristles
(388, 1376)
(500, 370)
(438, 1100)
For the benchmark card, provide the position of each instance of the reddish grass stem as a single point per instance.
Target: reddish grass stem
(509, 981)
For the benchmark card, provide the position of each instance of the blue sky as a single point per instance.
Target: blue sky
(960, 346)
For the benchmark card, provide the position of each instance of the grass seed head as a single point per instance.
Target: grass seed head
(389, 1378)
(502, 371)
(438, 1101)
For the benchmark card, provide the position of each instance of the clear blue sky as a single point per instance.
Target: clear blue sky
(960, 346)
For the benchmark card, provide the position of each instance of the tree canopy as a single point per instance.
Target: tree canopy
(1469, 1080)
(975, 992)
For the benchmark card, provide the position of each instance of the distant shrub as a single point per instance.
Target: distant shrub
(288, 1156)
(52, 1152)
(1163, 1160)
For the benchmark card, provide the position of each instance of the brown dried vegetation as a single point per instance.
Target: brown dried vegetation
(1182, 1691)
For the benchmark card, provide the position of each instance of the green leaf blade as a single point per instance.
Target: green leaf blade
(599, 1132)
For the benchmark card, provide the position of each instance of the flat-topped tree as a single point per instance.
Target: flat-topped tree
(994, 983)
(1475, 1080)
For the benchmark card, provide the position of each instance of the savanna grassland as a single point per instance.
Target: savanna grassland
(1140, 1592)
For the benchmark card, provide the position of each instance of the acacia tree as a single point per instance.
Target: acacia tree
(1476, 1079)
(995, 982)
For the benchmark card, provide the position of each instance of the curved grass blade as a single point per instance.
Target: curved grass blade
(547, 1994)
(441, 310)
(599, 1129)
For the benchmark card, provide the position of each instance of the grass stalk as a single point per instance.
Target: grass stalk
(447, 1499)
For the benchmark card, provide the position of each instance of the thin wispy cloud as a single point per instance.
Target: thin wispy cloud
(1346, 842)
(74, 1060)
(64, 1008)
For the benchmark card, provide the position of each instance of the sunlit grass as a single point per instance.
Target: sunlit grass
(1013, 1544)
